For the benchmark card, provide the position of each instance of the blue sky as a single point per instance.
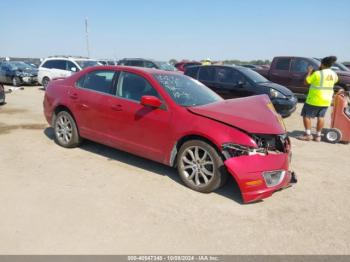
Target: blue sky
(165, 29)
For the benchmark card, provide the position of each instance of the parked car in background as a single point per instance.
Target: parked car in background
(291, 71)
(2, 95)
(236, 81)
(106, 62)
(149, 63)
(338, 66)
(251, 66)
(61, 67)
(17, 73)
(175, 120)
(181, 66)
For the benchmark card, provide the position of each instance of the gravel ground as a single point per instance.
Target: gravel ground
(98, 200)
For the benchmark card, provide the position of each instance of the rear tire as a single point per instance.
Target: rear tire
(200, 166)
(66, 131)
(333, 135)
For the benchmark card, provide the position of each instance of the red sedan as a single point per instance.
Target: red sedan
(175, 120)
(181, 66)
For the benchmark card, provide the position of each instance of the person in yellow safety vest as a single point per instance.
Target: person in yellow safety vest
(319, 97)
(206, 62)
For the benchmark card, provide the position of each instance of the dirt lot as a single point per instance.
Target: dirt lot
(99, 200)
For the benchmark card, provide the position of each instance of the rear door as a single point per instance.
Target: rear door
(280, 71)
(206, 75)
(89, 99)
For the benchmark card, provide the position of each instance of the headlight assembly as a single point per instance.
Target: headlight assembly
(276, 94)
(233, 150)
(273, 178)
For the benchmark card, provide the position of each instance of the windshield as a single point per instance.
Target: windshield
(87, 63)
(336, 66)
(186, 91)
(165, 66)
(253, 76)
(340, 67)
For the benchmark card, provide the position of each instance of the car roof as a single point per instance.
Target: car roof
(69, 58)
(226, 66)
(140, 59)
(137, 68)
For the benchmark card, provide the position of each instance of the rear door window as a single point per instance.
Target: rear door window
(283, 64)
(192, 71)
(206, 73)
(100, 81)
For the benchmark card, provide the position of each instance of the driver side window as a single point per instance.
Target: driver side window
(224, 75)
(300, 66)
(71, 66)
(133, 87)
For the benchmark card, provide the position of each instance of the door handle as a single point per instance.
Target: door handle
(117, 107)
(73, 96)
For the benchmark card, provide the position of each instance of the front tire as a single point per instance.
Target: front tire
(16, 81)
(200, 166)
(66, 131)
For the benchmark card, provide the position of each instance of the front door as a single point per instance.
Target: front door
(139, 129)
(231, 83)
(3, 71)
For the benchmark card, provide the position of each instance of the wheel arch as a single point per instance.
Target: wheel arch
(60, 108)
(186, 138)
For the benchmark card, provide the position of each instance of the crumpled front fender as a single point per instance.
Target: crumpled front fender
(248, 170)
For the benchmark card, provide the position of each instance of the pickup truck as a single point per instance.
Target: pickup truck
(290, 71)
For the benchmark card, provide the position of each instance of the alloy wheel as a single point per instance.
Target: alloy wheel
(197, 166)
(64, 129)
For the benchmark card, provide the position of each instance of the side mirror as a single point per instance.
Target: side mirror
(73, 69)
(151, 101)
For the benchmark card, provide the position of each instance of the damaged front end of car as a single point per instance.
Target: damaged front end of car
(261, 170)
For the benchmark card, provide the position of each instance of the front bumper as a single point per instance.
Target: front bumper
(30, 79)
(248, 172)
(285, 107)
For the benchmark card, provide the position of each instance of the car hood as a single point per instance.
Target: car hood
(282, 89)
(29, 71)
(254, 114)
(343, 73)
